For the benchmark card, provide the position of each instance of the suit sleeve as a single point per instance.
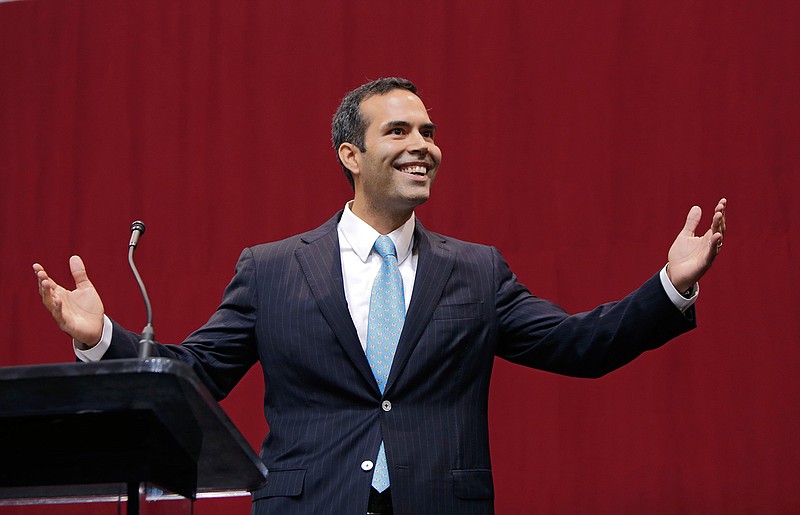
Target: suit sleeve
(221, 351)
(539, 334)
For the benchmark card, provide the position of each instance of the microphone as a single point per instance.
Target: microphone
(137, 229)
(148, 334)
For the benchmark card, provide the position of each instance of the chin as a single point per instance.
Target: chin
(418, 197)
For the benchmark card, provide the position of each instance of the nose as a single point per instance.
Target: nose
(417, 143)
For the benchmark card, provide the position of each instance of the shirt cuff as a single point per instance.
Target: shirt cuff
(98, 351)
(681, 302)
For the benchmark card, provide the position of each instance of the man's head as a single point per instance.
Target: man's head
(385, 141)
(349, 124)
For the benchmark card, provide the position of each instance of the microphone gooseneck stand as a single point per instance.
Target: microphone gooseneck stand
(148, 334)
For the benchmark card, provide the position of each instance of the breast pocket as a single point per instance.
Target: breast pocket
(458, 311)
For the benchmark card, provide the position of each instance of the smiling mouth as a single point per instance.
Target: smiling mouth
(418, 170)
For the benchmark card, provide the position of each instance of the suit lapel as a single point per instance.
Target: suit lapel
(321, 262)
(434, 264)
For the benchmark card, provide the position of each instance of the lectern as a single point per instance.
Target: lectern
(92, 430)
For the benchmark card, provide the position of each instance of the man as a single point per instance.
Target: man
(364, 418)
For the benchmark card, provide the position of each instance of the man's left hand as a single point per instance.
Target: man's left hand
(691, 256)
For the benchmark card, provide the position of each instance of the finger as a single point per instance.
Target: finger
(717, 223)
(41, 277)
(692, 220)
(38, 271)
(718, 227)
(47, 286)
(56, 310)
(722, 208)
(47, 290)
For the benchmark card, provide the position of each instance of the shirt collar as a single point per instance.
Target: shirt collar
(361, 236)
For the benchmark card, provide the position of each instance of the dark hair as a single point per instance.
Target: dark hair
(349, 124)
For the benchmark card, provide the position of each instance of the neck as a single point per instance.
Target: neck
(381, 219)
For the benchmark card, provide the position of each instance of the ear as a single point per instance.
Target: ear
(348, 154)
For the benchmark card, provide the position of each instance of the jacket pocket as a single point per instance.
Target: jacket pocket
(282, 483)
(458, 311)
(473, 484)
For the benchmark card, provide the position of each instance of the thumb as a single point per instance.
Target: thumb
(692, 220)
(78, 270)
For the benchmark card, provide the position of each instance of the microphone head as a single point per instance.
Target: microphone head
(138, 225)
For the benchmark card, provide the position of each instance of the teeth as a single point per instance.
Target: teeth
(415, 170)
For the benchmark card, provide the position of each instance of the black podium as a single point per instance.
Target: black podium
(101, 430)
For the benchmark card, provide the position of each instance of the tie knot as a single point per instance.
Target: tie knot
(385, 246)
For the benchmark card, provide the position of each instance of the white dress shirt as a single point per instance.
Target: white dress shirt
(361, 263)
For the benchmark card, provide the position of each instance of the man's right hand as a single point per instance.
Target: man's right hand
(79, 312)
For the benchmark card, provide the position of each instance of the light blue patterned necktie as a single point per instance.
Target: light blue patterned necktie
(387, 312)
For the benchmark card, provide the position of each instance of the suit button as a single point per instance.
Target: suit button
(366, 465)
(386, 405)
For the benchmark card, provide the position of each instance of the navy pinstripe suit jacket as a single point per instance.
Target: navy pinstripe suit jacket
(285, 308)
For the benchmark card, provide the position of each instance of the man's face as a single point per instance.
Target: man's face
(400, 162)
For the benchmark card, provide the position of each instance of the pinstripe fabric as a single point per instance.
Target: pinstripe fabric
(285, 308)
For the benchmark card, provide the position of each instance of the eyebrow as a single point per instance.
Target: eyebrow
(402, 123)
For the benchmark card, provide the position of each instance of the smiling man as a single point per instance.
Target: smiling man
(376, 337)
(393, 164)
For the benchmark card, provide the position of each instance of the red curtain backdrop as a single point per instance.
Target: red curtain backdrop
(576, 135)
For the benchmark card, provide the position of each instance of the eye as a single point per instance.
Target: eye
(427, 133)
(397, 131)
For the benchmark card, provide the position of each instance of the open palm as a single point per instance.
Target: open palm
(78, 312)
(690, 256)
